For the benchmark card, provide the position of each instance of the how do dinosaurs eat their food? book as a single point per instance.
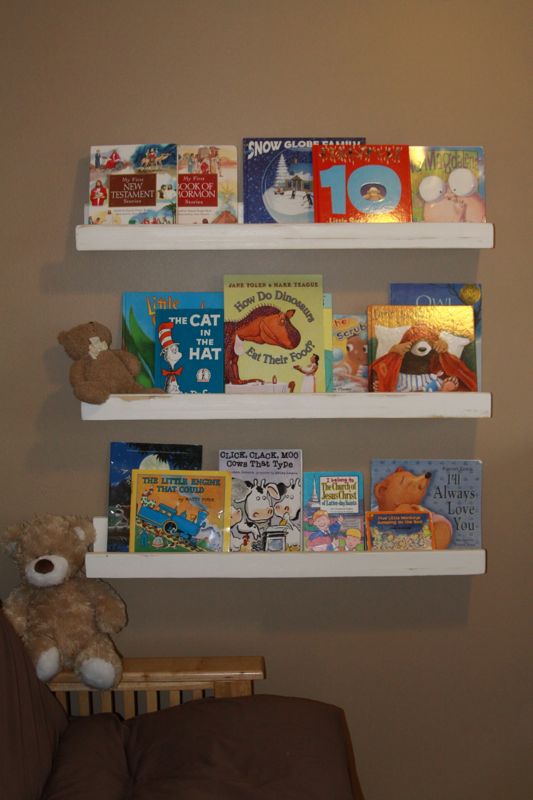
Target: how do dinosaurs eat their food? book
(273, 333)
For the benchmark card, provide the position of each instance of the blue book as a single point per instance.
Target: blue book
(138, 321)
(189, 350)
(442, 294)
(450, 489)
(333, 512)
(278, 178)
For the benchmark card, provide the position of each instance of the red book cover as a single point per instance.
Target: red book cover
(362, 183)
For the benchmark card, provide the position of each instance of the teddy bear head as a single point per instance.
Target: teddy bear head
(85, 339)
(401, 487)
(48, 549)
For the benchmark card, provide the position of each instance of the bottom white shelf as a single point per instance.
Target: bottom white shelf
(284, 565)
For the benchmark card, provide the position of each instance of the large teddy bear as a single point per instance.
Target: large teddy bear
(402, 491)
(97, 370)
(63, 618)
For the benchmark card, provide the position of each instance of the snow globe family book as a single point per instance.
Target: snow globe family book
(278, 178)
(176, 511)
(333, 512)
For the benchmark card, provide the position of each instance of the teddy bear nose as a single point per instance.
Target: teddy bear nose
(428, 475)
(44, 565)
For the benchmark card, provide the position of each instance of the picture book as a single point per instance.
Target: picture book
(189, 350)
(388, 530)
(350, 353)
(274, 333)
(448, 184)
(266, 499)
(207, 184)
(278, 178)
(442, 294)
(132, 184)
(328, 341)
(421, 349)
(123, 458)
(362, 183)
(178, 511)
(333, 512)
(449, 489)
(138, 322)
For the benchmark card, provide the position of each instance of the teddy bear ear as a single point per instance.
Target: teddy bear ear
(83, 529)
(379, 489)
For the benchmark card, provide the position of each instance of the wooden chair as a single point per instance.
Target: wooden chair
(151, 684)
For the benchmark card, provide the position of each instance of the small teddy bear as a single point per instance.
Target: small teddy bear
(97, 370)
(63, 617)
(402, 491)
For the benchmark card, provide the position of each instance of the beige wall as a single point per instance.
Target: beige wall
(434, 673)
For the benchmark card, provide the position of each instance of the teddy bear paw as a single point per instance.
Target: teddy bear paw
(48, 664)
(98, 673)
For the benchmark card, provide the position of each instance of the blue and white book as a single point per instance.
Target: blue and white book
(278, 178)
(138, 321)
(189, 351)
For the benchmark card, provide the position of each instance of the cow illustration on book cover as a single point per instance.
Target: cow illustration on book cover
(266, 498)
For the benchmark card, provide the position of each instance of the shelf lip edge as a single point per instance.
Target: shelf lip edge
(232, 566)
(371, 405)
(313, 236)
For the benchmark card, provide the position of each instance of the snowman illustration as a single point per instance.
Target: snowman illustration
(170, 353)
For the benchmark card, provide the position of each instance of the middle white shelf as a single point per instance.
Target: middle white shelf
(431, 405)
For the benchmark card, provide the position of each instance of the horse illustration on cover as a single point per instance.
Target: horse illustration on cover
(265, 324)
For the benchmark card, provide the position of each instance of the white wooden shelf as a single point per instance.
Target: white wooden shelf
(375, 405)
(362, 236)
(276, 565)
(284, 565)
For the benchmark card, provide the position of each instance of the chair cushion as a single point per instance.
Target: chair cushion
(31, 721)
(263, 747)
(90, 762)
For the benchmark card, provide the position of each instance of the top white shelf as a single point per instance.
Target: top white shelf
(356, 236)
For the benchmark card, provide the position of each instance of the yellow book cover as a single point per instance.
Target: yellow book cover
(421, 349)
(274, 333)
(177, 511)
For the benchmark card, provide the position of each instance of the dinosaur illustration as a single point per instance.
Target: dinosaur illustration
(263, 325)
